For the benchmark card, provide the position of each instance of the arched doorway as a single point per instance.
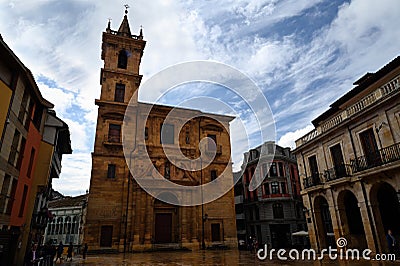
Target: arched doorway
(386, 211)
(324, 223)
(351, 220)
(166, 221)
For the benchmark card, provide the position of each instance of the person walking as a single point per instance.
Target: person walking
(60, 250)
(69, 251)
(85, 249)
(391, 241)
(32, 257)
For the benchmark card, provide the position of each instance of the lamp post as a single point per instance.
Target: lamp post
(203, 244)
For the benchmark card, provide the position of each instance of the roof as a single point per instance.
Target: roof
(170, 107)
(124, 28)
(12, 60)
(68, 202)
(362, 84)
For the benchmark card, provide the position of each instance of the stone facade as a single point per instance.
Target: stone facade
(69, 218)
(350, 165)
(121, 215)
(274, 210)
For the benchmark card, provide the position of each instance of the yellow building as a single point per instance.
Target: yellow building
(5, 100)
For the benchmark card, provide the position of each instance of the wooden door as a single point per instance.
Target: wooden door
(163, 228)
(106, 236)
(215, 232)
(370, 148)
(338, 162)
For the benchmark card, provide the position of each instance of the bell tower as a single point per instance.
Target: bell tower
(121, 52)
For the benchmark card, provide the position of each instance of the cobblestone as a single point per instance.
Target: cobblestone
(223, 257)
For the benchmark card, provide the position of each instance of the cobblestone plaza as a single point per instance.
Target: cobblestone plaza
(215, 257)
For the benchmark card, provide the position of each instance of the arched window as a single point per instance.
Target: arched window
(122, 59)
(277, 209)
(53, 227)
(59, 226)
(74, 229)
(49, 225)
(67, 225)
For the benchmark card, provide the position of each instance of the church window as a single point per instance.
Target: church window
(213, 174)
(167, 170)
(111, 171)
(167, 134)
(119, 93)
(122, 59)
(114, 133)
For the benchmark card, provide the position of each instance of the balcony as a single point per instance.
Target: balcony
(381, 157)
(387, 90)
(112, 140)
(340, 171)
(314, 180)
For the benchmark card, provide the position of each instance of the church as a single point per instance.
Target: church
(121, 215)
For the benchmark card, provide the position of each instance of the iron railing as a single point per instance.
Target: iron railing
(314, 180)
(337, 172)
(373, 159)
(112, 139)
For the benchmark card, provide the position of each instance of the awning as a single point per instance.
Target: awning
(300, 233)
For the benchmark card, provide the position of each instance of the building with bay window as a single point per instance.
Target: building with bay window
(274, 210)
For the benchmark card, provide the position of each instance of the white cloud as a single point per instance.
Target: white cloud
(61, 41)
(289, 138)
(75, 174)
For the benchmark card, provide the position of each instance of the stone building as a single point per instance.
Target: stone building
(274, 210)
(69, 215)
(349, 165)
(121, 216)
(28, 142)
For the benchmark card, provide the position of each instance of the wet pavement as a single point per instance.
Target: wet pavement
(220, 257)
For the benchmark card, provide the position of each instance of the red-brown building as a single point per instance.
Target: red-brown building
(274, 210)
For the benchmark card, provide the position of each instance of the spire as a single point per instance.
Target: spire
(141, 33)
(109, 25)
(124, 28)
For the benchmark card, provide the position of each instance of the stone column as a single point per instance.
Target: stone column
(184, 222)
(368, 224)
(148, 224)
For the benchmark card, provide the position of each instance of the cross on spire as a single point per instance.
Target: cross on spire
(126, 8)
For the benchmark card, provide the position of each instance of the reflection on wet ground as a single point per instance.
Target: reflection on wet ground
(220, 257)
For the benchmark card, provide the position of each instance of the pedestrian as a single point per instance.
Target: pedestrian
(32, 257)
(85, 249)
(69, 251)
(391, 241)
(60, 250)
(53, 252)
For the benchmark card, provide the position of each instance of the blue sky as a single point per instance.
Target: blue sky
(303, 54)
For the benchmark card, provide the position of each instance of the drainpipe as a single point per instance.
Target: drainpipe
(129, 182)
(203, 244)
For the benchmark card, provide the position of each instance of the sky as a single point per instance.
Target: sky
(302, 54)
